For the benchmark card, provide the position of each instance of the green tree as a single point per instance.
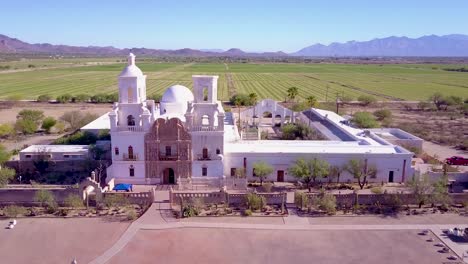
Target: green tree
(421, 187)
(44, 197)
(366, 100)
(383, 114)
(44, 98)
(361, 171)
(48, 123)
(26, 126)
(308, 171)
(156, 97)
(364, 120)
(292, 92)
(335, 173)
(6, 175)
(77, 119)
(262, 170)
(253, 98)
(440, 194)
(34, 115)
(6, 130)
(438, 100)
(64, 98)
(312, 101)
(81, 98)
(5, 155)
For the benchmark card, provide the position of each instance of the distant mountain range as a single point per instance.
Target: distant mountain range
(455, 45)
(427, 46)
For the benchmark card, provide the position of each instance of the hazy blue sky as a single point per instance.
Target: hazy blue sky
(249, 25)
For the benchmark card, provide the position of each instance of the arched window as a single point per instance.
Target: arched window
(205, 94)
(218, 151)
(130, 152)
(130, 120)
(116, 150)
(205, 120)
(131, 171)
(130, 95)
(205, 153)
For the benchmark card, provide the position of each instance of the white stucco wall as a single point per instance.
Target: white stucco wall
(383, 162)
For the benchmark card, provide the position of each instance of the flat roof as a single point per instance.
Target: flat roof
(102, 122)
(56, 148)
(307, 146)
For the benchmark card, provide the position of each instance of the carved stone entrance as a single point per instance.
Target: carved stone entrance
(168, 176)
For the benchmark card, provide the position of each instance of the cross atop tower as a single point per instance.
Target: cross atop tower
(131, 59)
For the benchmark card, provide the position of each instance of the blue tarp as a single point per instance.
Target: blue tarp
(123, 187)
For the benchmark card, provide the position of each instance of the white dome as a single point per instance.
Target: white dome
(131, 70)
(177, 94)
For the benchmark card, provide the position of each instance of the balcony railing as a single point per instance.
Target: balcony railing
(205, 128)
(130, 157)
(173, 156)
(204, 157)
(130, 128)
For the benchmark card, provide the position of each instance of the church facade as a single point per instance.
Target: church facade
(190, 135)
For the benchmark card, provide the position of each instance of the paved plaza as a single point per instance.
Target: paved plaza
(202, 245)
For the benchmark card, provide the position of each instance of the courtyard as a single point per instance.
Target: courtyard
(206, 245)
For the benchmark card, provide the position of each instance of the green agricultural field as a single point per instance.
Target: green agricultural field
(387, 82)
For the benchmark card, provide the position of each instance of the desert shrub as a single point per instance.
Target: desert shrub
(64, 98)
(364, 120)
(48, 123)
(301, 200)
(25, 126)
(6, 130)
(44, 197)
(104, 98)
(247, 212)
(376, 190)
(198, 203)
(44, 98)
(131, 215)
(366, 100)
(52, 207)
(81, 98)
(254, 201)
(115, 200)
(189, 211)
(77, 119)
(267, 186)
(12, 211)
(423, 105)
(79, 138)
(327, 203)
(383, 114)
(74, 201)
(6, 175)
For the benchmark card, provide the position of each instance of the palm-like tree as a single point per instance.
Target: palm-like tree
(292, 92)
(312, 101)
(253, 98)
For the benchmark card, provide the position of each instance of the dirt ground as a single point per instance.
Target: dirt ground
(9, 111)
(192, 245)
(52, 240)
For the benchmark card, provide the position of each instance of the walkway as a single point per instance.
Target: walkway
(159, 217)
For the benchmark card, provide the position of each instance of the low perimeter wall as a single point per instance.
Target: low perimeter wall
(223, 197)
(25, 196)
(369, 199)
(140, 198)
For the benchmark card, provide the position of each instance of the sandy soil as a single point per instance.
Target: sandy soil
(9, 111)
(57, 240)
(192, 245)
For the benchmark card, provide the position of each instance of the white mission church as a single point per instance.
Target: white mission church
(190, 135)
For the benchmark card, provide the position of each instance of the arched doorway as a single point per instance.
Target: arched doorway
(168, 176)
(277, 120)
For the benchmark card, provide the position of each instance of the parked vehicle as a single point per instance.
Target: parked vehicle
(123, 187)
(457, 160)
